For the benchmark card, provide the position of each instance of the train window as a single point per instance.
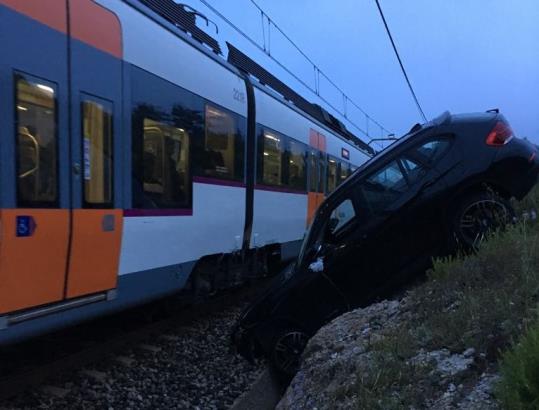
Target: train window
(97, 152)
(313, 171)
(332, 174)
(344, 172)
(223, 149)
(297, 178)
(272, 158)
(37, 142)
(165, 165)
(322, 166)
(167, 121)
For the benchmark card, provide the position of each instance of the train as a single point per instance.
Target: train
(138, 162)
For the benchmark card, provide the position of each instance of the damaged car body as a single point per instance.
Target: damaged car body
(441, 186)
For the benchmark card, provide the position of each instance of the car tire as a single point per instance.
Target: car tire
(475, 216)
(286, 349)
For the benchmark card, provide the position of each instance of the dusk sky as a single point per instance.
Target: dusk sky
(462, 56)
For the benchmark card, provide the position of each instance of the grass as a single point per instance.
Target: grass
(485, 301)
(519, 386)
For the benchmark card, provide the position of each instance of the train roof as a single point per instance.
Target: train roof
(183, 20)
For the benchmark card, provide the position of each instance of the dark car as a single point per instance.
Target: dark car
(441, 186)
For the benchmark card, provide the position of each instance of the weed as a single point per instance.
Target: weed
(519, 386)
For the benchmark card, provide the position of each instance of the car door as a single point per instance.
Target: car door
(411, 227)
(426, 214)
(386, 244)
(384, 237)
(343, 255)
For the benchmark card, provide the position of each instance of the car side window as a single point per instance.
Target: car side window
(417, 161)
(432, 151)
(341, 217)
(415, 170)
(384, 187)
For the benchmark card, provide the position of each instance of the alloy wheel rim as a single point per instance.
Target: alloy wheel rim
(288, 349)
(481, 217)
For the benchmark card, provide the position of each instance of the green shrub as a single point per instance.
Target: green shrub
(531, 201)
(481, 300)
(519, 386)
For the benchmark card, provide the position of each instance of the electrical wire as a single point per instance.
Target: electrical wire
(320, 72)
(400, 61)
(287, 70)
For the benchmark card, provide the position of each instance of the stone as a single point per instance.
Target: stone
(454, 364)
(95, 375)
(150, 348)
(56, 391)
(469, 352)
(170, 338)
(126, 361)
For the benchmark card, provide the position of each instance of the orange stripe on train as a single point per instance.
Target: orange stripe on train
(95, 251)
(49, 12)
(317, 140)
(97, 26)
(90, 22)
(32, 268)
(314, 200)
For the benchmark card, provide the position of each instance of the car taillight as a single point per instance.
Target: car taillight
(500, 135)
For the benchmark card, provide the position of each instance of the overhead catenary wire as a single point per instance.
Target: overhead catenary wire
(263, 30)
(317, 69)
(265, 50)
(400, 61)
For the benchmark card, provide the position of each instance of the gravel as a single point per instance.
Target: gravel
(189, 367)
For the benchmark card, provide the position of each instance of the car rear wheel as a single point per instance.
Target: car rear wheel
(478, 214)
(288, 346)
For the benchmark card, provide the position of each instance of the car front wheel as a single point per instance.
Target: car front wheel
(288, 346)
(478, 214)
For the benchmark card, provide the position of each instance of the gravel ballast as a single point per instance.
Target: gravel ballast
(190, 366)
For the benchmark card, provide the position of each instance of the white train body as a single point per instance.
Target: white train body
(168, 157)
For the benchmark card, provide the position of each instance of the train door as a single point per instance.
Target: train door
(96, 154)
(60, 100)
(34, 210)
(317, 173)
(316, 183)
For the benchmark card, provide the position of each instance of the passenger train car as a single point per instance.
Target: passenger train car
(136, 161)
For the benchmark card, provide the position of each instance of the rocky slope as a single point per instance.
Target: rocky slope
(345, 355)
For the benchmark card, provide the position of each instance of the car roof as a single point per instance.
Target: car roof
(446, 119)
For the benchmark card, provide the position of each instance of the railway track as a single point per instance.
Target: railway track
(36, 364)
